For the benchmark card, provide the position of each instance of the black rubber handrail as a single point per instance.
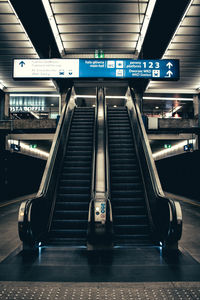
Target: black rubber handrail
(33, 219)
(165, 214)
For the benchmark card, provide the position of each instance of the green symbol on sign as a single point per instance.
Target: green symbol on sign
(33, 146)
(99, 54)
(166, 146)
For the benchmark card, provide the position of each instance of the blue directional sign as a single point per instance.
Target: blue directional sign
(164, 69)
(120, 68)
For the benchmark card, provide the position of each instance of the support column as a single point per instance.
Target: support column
(6, 106)
(196, 105)
(2, 105)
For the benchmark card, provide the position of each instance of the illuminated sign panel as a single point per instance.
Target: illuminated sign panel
(94, 68)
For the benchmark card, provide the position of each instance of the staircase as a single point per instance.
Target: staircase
(130, 221)
(70, 218)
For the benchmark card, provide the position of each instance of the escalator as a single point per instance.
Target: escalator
(100, 179)
(130, 220)
(70, 218)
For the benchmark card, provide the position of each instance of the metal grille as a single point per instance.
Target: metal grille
(12, 291)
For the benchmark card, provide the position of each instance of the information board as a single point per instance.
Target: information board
(95, 68)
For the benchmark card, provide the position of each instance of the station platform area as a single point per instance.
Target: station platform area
(140, 272)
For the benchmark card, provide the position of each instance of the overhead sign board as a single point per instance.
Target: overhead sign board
(166, 69)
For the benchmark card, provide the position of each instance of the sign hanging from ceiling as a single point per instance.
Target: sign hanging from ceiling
(165, 69)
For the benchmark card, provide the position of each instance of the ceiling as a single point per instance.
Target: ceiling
(75, 28)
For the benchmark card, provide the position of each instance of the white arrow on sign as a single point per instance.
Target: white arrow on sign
(169, 74)
(169, 65)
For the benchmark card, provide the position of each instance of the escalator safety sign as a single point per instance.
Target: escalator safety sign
(163, 69)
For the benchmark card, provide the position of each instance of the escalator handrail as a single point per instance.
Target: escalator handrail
(25, 211)
(54, 148)
(94, 154)
(108, 189)
(147, 149)
(175, 222)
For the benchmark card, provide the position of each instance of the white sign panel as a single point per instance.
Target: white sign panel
(46, 68)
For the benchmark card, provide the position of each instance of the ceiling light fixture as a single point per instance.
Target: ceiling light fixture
(27, 148)
(178, 146)
(167, 98)
(2, 86)
(52, 22)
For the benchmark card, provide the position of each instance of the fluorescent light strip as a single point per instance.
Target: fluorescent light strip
(167, 98)
(145, 24)
(2, 86)
(30, 150)
(94, 96)
(169, 114)
(85, 96)
(50, 15)
(186, 11)
(34, 95)
(116, 97)
(178, 146)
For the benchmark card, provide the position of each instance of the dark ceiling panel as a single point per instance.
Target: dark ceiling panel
(92, 8)
(98, 29)
(97, 18)
(66, 37)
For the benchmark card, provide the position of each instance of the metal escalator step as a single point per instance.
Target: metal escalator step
(127, 179)
(72, 214)
(72, 206)
(79, 138)
(86, 147)
(124, 172)
(116, 151)
(56, 241)
(68, 233)
(129, 239)
(120, 146)
(128, 210)
(76, 169)
(77, 182)
(78, 153)
(121, 166)
(80, 143)
(119, 159)
(74, 197)
(74, 189)
(69, 158)
(131, 219)
(76, 176)
(131, 202)
(131, 229)
(127, 193)
(69, 224)
(78, 163)
(128, 187)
